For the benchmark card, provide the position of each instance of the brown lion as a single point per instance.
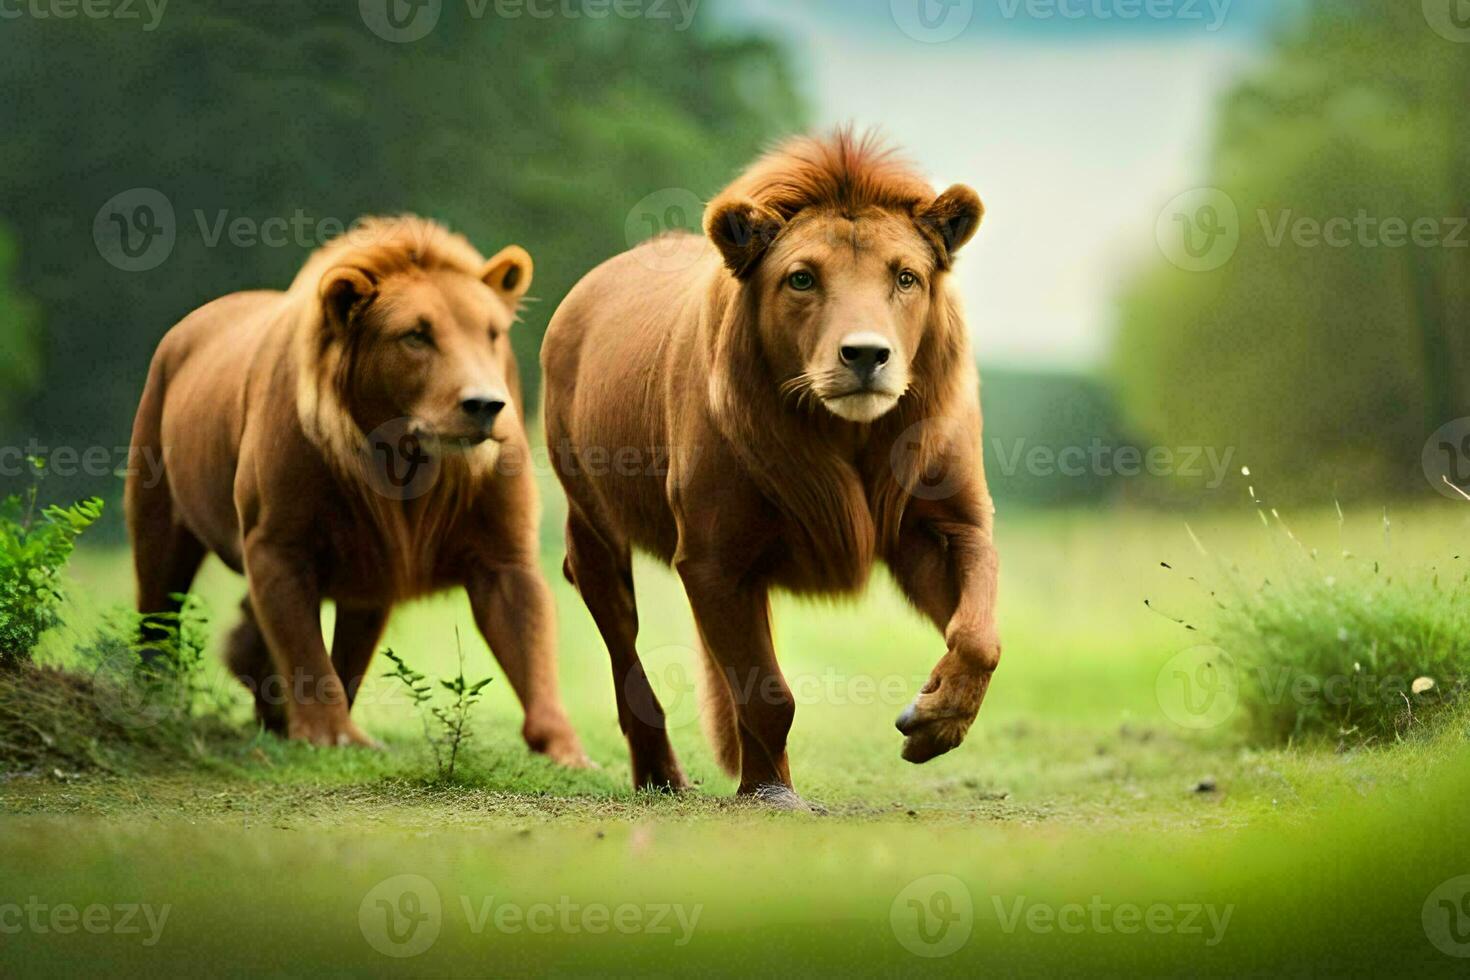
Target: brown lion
(806, 371)
(356, 438)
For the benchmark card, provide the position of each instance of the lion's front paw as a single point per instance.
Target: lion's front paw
(939, 717)
(330, 730)
(568, 753)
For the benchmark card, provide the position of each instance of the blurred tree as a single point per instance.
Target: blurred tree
(20, 363)
(1051, 438)
(545, 132)
(1326, 365)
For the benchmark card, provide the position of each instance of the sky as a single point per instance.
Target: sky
(1076, 122)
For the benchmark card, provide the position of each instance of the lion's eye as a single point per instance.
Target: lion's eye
(494, 334)
(801, 280)
(907, 279)
(420, 339)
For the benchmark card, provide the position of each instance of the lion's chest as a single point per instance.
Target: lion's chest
(817, 558)
(368, 560)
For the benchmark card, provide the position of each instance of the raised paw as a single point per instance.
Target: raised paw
(941, 715)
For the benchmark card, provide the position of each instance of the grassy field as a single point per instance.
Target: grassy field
(1098, 819)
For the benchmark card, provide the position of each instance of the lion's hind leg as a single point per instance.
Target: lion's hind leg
(249, 658)
(603, 574)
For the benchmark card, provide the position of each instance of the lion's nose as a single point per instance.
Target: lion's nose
(864, 355)
(483, 408)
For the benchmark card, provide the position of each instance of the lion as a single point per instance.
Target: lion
(805, 369)
(359, 438)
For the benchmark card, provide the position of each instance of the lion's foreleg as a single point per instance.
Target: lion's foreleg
(287, 603)
(735, 626)
(513, 609)
(948, 568)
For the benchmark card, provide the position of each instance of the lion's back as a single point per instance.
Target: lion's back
(605, 364)
(194, 403)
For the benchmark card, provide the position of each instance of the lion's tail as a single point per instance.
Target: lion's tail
(720, 725)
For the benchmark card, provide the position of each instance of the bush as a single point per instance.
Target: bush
(1345, 648)
(34, 548)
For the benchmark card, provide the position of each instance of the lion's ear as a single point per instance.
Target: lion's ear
(509, 274)
(344, 291)
(742, 231)
(951, 220)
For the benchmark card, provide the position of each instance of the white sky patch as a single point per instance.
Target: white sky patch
(1075, 147)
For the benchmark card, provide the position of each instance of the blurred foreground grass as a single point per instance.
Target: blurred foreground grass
(1088, 788)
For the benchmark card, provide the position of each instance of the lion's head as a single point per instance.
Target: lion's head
(841, 251)
(408, 322)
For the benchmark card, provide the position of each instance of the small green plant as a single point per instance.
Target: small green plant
(152, 666)
(446, 727)
(35, 544)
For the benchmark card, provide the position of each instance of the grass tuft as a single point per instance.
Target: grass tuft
(1346, 648)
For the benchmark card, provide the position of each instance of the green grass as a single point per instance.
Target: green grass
(1079, 780)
